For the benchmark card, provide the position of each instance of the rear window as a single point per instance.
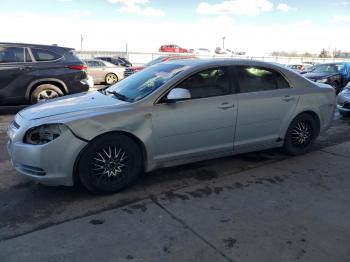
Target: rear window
(11, 55)
(42, 55)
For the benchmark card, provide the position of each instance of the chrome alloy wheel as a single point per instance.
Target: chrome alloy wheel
(47, 94)
(109, 164)
(301, 134)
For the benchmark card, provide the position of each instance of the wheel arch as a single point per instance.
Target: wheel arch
(136, 139)
(312, 113)
(53, 81)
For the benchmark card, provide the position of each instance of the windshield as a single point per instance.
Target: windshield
(155, 61)
(326, 69)
(144, 82)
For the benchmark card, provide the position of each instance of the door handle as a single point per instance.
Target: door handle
(287, 98)
(225, 106)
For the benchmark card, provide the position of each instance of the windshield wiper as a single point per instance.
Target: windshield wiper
(117, 95)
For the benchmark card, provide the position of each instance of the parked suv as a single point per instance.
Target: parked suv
(33, 73)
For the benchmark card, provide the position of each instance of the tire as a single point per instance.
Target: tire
(111, 79)
(301, 135)
(45, 92)
(109, 164)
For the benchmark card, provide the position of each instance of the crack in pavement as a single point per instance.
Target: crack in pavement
(334, 154)
(179, 220)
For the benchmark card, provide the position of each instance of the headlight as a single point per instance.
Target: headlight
(44, 134)
(323, 80)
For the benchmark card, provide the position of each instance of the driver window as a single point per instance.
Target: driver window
(208, 83)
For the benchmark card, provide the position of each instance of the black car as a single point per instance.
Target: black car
(118, 61)
(329, 74)
(33, 73)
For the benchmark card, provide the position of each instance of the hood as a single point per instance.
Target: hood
(70, 104)
(318, 75)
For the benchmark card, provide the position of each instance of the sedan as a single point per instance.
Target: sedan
(104, 72)
(169, 114)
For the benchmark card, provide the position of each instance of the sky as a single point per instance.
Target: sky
(257, 27)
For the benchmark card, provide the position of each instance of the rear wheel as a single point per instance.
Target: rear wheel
(301, 135)
(111, 79)
(45, 92)
(109, 164)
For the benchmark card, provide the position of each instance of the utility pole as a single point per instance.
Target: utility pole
(81, 42)
(223, 42)
(126, 51)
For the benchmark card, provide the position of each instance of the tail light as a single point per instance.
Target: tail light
(78, 67)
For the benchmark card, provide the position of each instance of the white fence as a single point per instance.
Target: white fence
(139, 58)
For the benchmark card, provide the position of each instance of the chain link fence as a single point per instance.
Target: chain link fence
(140, 58)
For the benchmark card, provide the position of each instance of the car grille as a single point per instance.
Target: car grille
(128, 72)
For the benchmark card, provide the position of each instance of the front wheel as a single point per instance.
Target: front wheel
(301, 135)
(45, 92)
(109, 164)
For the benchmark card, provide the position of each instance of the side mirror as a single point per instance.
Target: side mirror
(177, 94)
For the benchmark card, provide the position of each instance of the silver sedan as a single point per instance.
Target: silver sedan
(104, 72)
(166, 115)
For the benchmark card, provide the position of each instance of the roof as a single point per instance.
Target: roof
(33, 45)
(221, 62)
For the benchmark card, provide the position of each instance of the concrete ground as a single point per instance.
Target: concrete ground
(292, 210)
(261, 206)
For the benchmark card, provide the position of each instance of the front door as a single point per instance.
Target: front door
(201, 125)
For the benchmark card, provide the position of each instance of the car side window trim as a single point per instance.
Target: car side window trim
(49, 61)
(29, 52)
(15, 62)
(232, 85)
(235, 69)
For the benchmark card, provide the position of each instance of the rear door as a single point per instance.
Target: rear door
(266, 103)
(47, 63)
(96, 71)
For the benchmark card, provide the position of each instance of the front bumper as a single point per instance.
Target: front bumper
(50, 164)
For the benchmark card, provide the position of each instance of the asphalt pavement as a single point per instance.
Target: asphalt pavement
(291, 210)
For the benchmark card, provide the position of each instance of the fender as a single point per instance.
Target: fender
(43, 80)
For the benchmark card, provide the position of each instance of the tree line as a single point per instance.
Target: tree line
(323, 54)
